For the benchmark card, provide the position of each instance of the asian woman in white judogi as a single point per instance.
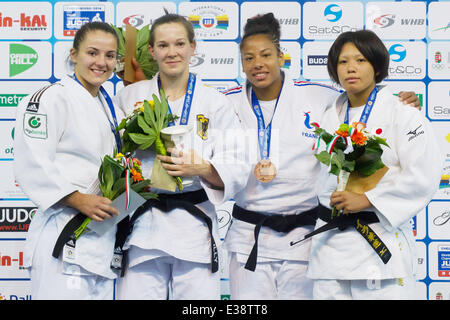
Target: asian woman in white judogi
(342, 263)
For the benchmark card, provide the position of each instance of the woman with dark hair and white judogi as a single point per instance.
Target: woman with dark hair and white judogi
(374, 257)
(62, 133)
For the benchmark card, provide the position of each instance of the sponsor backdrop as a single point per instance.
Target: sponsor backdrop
(35, 37)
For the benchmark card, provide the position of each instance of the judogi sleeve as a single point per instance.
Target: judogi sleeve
(228, 151)
(37, 133)
(419, 173)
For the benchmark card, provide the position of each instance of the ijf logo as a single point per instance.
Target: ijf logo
(397, 52)
(333, 13)
(444, 261)
(209, 21)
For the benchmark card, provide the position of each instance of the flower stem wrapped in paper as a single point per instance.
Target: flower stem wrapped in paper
(133, 43)
(143, 130)
(120, 175)
(354, 156)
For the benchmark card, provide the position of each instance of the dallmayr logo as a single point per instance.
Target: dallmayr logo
(26, 22)
(209, 21)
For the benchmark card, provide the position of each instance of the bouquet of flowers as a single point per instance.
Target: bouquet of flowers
(117, 175)
(143, 57)
(143, 129)
(354, 155)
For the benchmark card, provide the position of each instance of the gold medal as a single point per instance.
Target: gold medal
(265, 171)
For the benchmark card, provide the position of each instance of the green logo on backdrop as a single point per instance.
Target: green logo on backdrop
(21, 58)
(10, 100)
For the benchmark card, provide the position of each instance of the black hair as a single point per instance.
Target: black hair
(171, 18)
(92, 26)
(370, 46)
(265, 24)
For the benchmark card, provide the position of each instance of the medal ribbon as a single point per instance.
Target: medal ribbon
(187, 100)
(364, 117)
(367, 108)
(264, 133)
(128, 164)
(113, 125)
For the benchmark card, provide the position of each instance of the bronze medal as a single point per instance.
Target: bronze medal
(265, 171)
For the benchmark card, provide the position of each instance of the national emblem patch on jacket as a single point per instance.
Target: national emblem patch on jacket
(202, 126)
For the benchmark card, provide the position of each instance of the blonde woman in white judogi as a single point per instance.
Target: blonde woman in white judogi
(171, 251)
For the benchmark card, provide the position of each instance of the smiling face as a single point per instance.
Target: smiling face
(261, 63)
(356, 74)
(95, 59)
(172, 50)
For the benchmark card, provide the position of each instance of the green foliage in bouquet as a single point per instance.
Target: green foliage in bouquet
(365, 158)
(143, 127)
(112, 178)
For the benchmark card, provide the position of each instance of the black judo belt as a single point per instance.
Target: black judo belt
(277, 222)
(165, 203)
(67, 234)
(360, 221)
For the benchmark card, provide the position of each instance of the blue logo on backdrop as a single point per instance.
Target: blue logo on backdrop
(333, 12)
(397, 52)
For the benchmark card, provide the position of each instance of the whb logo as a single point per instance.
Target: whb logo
(397, 52)
(21, 58)
(135, 20)
(333, 13)
(385, 20)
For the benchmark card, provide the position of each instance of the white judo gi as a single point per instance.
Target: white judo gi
(60, 138)
(341, 262)
(280, 270)
(174, 248)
